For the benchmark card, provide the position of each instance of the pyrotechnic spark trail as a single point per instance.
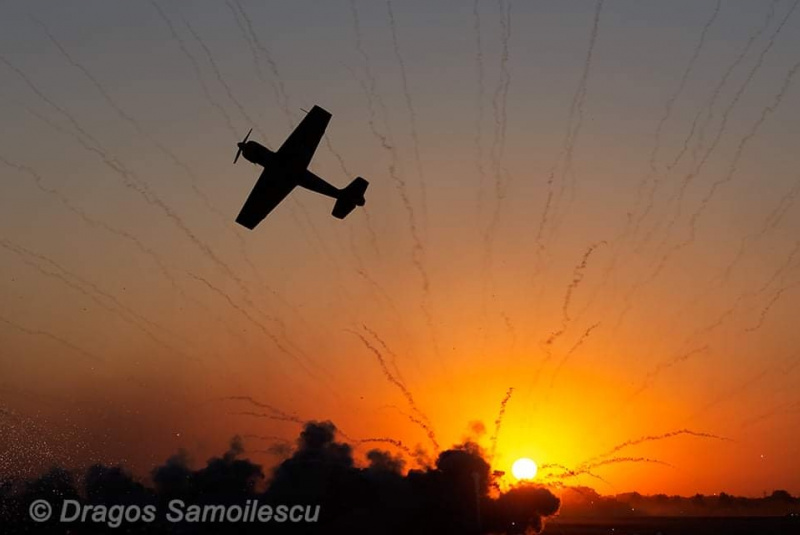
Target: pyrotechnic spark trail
(482, 177)
(397, 443)
(46, 334)
(652, 375)
(426, 424)
(734, 165)
(268, 333)
(260, 405)
(771, 303)
(392, 354)
(417, 249)
(708, 106)
(692, 174)
(223, 83)
(499, 107)
(412, 114)
(131, 121)
(652, 438)
(276, 417)
(766, 112)
(584, 337)
(771, 222)
(498, 422)
(574, 125)
(242, 22)
(197, 71)
(129, 180)
(91, 291)
(682, 84)
(283, 97)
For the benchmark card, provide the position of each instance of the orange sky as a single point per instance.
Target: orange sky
(639, 301)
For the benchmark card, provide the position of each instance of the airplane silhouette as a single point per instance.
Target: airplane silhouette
(288, 168)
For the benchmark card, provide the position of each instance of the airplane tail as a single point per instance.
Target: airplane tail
(350, 197)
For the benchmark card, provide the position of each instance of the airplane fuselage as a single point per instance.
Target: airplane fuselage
(287, 168)
(256, 153)
(260, 155)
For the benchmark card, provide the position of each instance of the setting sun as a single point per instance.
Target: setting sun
(524, 468)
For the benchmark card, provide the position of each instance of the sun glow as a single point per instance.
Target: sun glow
(524, 468)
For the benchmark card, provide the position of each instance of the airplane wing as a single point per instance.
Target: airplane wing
(272, 187)
(303, 141)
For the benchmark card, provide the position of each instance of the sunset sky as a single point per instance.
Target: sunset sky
(597, 204)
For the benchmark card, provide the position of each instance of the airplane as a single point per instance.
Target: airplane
(287, 168)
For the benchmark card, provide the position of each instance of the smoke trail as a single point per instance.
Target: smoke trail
(45, 334)
(226, 117)
(39, 182)
(499, 421)
(131, 121)
(417, 249)
(63, 274)
(482, 177)
(790, 407)
(547, 344)
(617, 460)
(260, 405)
(721, 128)
(577, 106)
(70, 118)
(771, 303)
(218, 75)
(577, 278)
(370, 225)
(766, 112)
(586, 469)
(572, 350)
(708, 106)
(570, 138)
(653, 438)
(276, 417)
(652, 375)
(129, 179)
(397, 443)
(411, 112)
(682, 84)
(740, 300)
(792, 362)
(392, 354)
(242, 22)
(679, 196)
(499, 107)
(90, 291)
(269, 334)
(197, 71)
(692, 174)
(426, 424)
(283, 97)
(772, 221)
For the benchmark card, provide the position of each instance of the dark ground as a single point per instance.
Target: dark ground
(677, 526)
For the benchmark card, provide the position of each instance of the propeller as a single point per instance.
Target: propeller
(241, 146)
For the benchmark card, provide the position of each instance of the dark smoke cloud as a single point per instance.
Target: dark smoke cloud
(451, 497)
